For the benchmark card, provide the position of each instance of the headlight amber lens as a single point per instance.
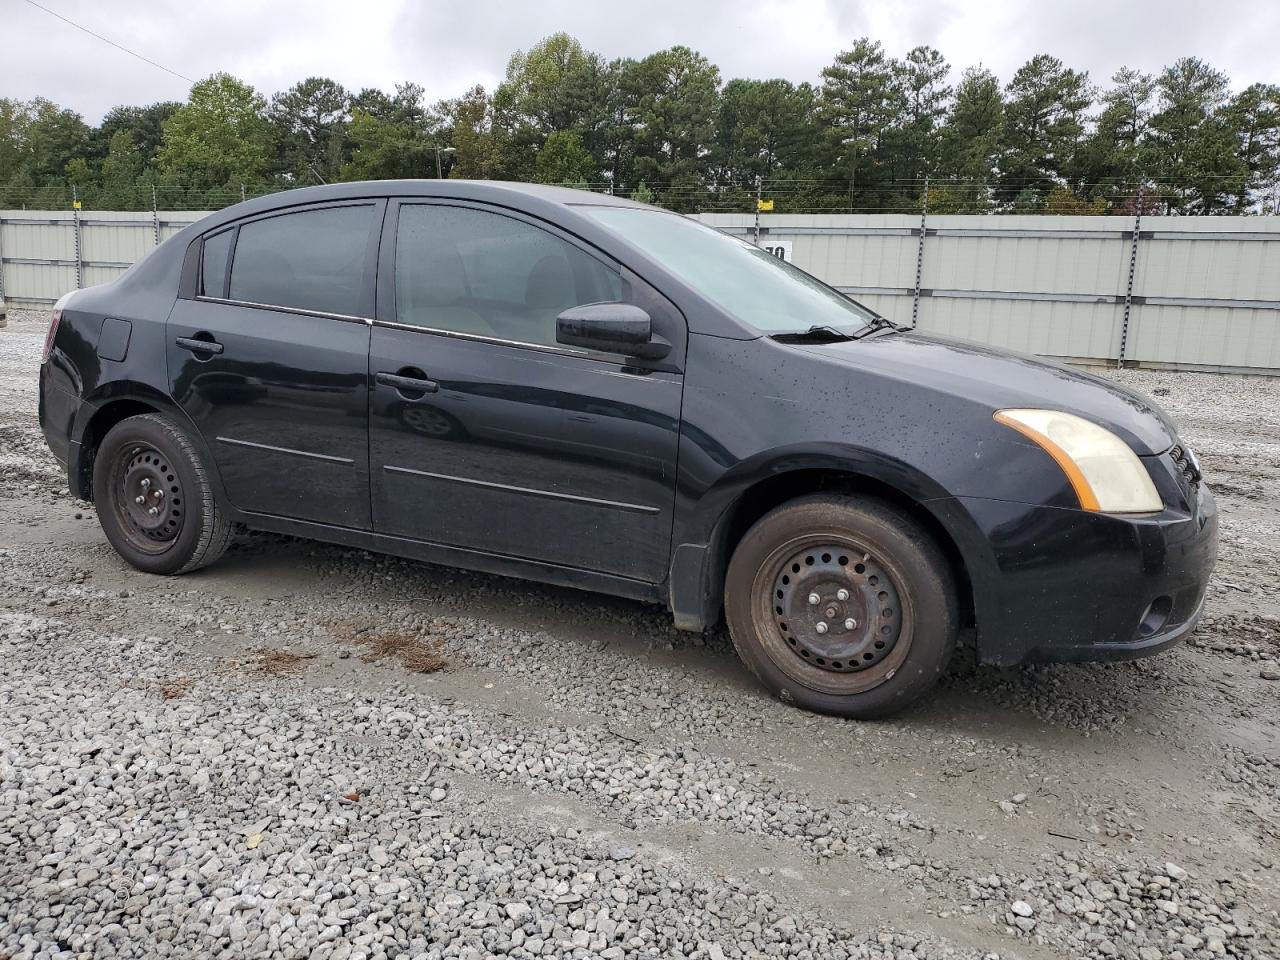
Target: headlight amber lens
(1105, 473)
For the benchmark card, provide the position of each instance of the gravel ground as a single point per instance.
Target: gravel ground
(308, 751)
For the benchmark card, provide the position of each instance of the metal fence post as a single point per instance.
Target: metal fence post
(1128, 290)
(924, 222)
(759, 194)
(75, 214)
(1, 259)
(155, 217)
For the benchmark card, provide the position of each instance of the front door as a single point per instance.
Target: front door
(270, 360)
(484, 432)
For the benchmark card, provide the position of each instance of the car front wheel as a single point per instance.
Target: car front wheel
(842, 605)
(154, 500)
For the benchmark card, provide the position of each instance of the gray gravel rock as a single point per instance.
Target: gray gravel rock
(240, 763)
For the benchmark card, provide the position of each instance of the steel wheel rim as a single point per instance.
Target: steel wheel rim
(147, 498)
(867, 631)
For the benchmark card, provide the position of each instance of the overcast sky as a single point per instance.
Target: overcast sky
(449, 46)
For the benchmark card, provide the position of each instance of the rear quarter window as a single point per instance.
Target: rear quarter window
(213, 264)
(309, 260)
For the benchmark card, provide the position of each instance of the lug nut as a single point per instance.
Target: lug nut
(842, 594)
(146, 483)
(821, 627)
(814, 599)
(159, 494)
(154, 512)
(140, 500)
(850, 623)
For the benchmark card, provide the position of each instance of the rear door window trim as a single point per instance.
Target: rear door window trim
(301, 311)
(370, 273)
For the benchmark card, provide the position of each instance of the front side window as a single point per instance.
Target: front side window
(309, 260)
(471, 271)
(747, 282)
(213, 264)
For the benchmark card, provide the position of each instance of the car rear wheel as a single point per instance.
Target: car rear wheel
(842, 604)
(154, 500)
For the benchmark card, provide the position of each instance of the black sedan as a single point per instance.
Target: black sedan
(582, 390)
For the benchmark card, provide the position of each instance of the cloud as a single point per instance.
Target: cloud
(449, 47)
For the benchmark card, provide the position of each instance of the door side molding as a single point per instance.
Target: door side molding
(575, 498)
(297, 453)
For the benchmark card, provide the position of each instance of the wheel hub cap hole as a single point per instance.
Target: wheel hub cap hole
(149, 498)
(837, 612)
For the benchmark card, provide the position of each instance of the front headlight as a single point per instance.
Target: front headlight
(1105, 473)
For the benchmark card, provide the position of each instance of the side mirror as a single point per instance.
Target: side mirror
(613, 328)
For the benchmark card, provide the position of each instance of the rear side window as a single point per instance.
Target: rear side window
(472, 271)
(310, 260)
(213, 264)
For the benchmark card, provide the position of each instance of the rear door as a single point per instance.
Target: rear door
(270, 359)
(487, 434)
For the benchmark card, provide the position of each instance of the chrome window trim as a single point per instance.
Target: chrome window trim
(302, 311)
(481, 338)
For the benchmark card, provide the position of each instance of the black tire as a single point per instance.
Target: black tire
(149, 456)
(870, 565)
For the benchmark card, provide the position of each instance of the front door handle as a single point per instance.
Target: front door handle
(407, 384)
(196, 345)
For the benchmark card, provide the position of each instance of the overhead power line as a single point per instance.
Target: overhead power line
(118, 46)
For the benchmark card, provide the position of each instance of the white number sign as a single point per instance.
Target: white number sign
(778, 248)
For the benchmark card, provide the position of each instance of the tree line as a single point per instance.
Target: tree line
(667, 129)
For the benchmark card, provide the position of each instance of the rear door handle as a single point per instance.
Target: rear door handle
(196, 345)
(407, 384)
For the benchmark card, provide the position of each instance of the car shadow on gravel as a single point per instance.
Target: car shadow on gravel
(1083, 697)
(971, 697)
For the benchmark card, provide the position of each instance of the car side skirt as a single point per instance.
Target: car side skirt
(450, 556)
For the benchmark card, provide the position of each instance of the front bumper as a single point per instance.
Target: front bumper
(1059, 584)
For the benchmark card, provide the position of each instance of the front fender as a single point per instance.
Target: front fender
(712, 507)
(701, 545)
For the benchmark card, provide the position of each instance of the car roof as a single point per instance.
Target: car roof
(507, 193)
(552, 204)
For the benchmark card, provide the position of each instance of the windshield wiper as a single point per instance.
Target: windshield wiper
(818, 333)
(874, 324)
(821, 333)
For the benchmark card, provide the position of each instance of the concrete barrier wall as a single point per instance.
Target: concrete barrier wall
(1194, 292)
(45, 253)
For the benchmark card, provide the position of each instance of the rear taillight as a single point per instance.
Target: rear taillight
(53, 326)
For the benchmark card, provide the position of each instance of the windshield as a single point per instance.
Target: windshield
(754, 286)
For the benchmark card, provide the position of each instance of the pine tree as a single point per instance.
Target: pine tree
(1043, 126)
(969, 144)
(857, 106)
(921, 99)
(1197, 167)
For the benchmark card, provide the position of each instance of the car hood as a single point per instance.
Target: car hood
(1001, 379)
